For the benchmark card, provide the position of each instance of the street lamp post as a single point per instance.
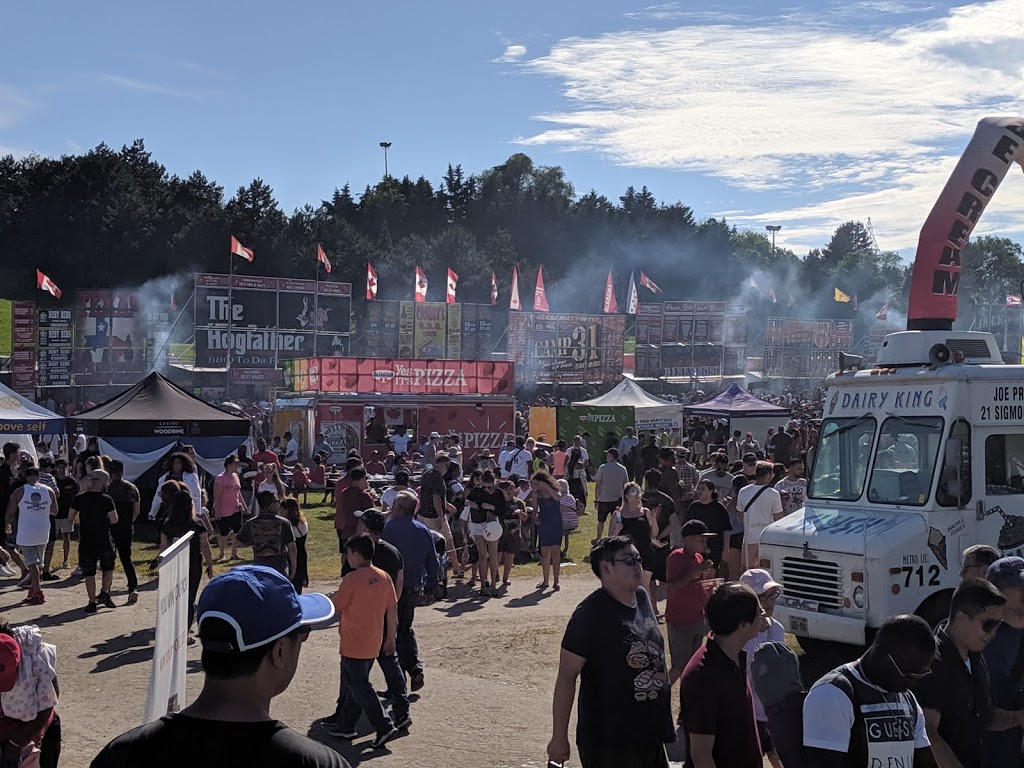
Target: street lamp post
(773, 228)
(385, 145)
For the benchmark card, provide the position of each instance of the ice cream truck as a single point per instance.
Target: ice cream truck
(918, 457)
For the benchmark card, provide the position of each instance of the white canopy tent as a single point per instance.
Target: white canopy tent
(652, 413)
(25, 422)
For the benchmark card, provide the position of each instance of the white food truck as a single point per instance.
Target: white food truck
(917, 458)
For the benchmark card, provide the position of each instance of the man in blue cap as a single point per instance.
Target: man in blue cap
(252, 625)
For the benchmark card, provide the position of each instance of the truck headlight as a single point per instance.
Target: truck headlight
(858, 597)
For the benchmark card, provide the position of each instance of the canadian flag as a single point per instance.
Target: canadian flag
(43, 283)
(453, 281)
(513, 302)
(611, 306)
(646, 282)
(883, 312)
(421, 286)
(240, 250)
(632, 300)
(1013, 300)
(494, 289)
(540, 299)
(752, 283)
(771, 295)
(371, 282)
(322, 258)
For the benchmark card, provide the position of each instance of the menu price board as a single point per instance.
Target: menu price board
(566, 348)
(23, 347)
(795, 348)
(56, 347)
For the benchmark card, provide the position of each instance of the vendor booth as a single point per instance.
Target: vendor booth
(359, 402)
(142, 424)
(651, 414)
(24, 422)
(744, 411)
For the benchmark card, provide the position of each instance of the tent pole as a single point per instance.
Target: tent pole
(174, 325)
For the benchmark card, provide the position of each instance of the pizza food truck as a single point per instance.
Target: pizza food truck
(919, 457)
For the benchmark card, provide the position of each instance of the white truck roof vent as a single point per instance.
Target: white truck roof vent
(974, 350)
(931, 347)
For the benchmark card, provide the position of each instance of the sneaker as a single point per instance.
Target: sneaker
(91, 608)
(343, 733)
(64, 565)
(416, 681)
(6, 570)
(48, 576)
(384, 738)
(133, 598)
(106, 599)
(37, 599)
(402, 723)
(77, 572)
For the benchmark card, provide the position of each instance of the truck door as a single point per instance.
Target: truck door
(999, 467)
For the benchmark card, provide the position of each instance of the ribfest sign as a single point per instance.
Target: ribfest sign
(385, 375)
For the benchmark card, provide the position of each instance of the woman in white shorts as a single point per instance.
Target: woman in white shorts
(485, 504)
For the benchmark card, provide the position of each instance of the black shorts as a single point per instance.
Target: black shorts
(53, 529)
(229, 524)
(764, 737)
(90, 555)
(736, 541)
(605, 508)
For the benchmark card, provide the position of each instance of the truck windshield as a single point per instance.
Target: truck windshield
(841, 463)
(905, 460)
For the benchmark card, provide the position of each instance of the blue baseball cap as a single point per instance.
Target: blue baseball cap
(262, 606)
(1007, 573)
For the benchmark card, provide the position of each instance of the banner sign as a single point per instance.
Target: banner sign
(109, 337)
(1003, 322)
(428, 330)
(170, 650)
(23, 347)
(363, 375)
(605, 425)
(690, 339)
(269, 319)
(566, 348)
(56, 350)
(804, 348)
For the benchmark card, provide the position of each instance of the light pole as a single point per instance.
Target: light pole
(385, 145)
(773, 228)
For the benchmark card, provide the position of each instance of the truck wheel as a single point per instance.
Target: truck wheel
(935, 609)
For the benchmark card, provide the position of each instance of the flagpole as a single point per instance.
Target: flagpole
(231, 336)
(316, 303)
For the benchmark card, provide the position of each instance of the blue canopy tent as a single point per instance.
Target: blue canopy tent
(744, 411)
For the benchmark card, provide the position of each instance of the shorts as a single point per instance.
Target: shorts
(736, 541)
(684, 640)
(477, 529)
(34, 554)
(605, 508)
(511, 541)
(53, 530)
(88, 557)
(660, 564)
(64, 526)
(229, 524)
(764, 737)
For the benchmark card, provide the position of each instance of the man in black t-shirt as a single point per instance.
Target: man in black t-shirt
(67, 489)
(8, 477)
(614, 645)
(126, 502)
(96, 513)
(247, 662)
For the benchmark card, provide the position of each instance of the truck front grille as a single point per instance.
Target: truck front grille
(815, 580)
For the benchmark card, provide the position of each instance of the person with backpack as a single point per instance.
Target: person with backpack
(864, 714)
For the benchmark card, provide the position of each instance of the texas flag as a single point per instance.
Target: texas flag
(453, 281)
(513, 301)
(421, 286)
(371, 282)
(646, 282)
(494, 289)
(322, 258)
(240, 250)
(611, 306)
(540, 299)
(43, 283)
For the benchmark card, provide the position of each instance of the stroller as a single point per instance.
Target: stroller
(440, 546)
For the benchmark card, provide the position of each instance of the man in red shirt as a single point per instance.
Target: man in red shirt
(684, 609)
(263, 456)
(375, 466)
(352, 499)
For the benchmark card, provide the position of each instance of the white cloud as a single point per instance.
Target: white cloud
(132, 84)
(512, 54)
(14, 106)
(845, 122)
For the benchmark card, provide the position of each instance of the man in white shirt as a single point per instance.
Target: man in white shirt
(503, 457)
(758, 506)
(628, 442)
(518, 460)
(387, 499)
(399, 442)
(291, 449)
(793, 487)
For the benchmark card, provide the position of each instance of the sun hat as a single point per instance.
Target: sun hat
(262, 606)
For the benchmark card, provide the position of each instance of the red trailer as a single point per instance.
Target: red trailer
(358, 402)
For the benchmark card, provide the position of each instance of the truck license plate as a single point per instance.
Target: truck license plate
(798, 625)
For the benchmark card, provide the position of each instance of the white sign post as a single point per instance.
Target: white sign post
(170, 651)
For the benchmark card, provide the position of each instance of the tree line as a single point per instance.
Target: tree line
(109, 218)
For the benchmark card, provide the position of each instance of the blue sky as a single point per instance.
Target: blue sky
(802, 114)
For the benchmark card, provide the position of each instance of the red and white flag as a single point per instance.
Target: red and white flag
(421, 286)
(453, 282)
(240, 250)
(752, 283)
(371, 282)
(611, 306)
(883, 312)
(321, 257)
(43, 283)
(513, 301)
(1013, 300)
(646, 282)
(540, 299)
(174, 304)
(632, 300)
(494, 289)
(771, 295)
